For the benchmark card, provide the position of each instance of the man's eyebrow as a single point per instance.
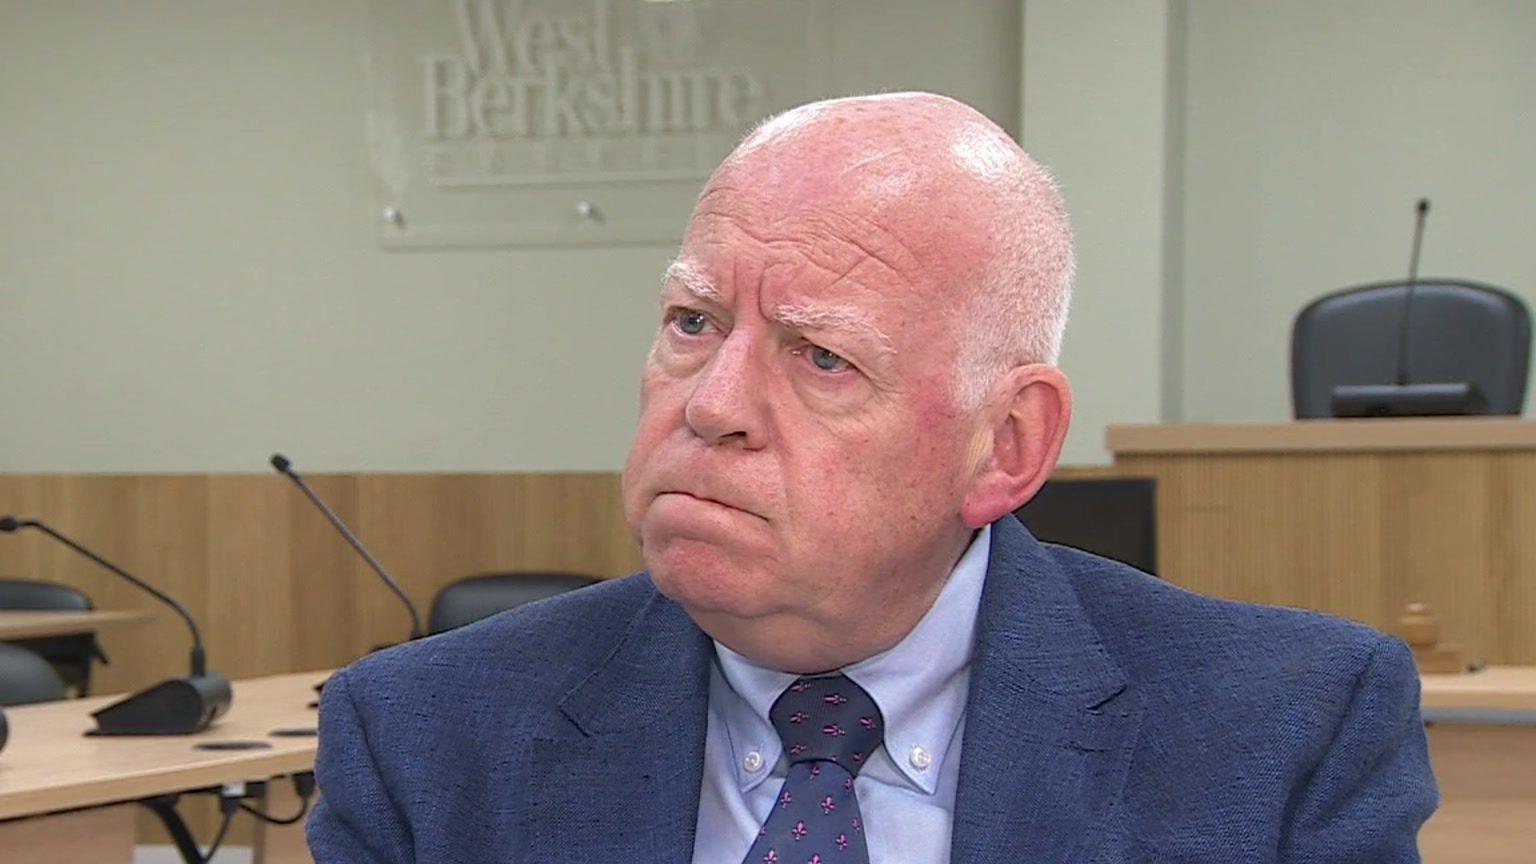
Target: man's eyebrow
(692, 280)
(835, 319)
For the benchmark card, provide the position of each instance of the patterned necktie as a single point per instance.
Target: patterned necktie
(829, 726)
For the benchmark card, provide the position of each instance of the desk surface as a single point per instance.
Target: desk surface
(28, 624)
(50, 765)
(1496, 688)
(1323, 436)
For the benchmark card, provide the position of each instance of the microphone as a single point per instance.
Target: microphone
(284, 467)
(1421, 211)
(180, 706)
(1401, 398)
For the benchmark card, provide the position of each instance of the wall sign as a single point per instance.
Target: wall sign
(510, 122)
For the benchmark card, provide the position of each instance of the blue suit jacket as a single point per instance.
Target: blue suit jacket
(1111, 718)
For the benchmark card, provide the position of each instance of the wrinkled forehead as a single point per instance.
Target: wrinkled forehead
(888, 224)
(766, 229)
(844, 280)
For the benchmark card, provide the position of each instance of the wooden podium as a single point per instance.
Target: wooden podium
(1361, 518)
(1354, 517)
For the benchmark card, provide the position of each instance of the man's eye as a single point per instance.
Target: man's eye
(691, 323)
(827, 361)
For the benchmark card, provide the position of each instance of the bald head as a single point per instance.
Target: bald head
(851, 375)
(939, 194)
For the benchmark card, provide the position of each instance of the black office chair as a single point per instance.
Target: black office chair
(1459, 332)
(71, 656)
(1115, 517)
(26, 678)
(475, 597)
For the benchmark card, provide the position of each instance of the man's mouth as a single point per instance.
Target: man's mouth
(709, 500)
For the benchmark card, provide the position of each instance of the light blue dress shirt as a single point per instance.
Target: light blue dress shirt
(906, 790)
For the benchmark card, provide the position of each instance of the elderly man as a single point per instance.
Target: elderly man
(844, 648)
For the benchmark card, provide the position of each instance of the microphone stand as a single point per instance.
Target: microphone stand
(1422, 210)
(179, 706)
(284, 467)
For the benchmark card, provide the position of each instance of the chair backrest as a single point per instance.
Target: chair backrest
(71, 656)
(475, 597)
(31, 594)
(1115, 517)
(1460, 332)
(26, 677)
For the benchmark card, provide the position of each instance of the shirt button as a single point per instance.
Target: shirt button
(752, 762)
(920, 758)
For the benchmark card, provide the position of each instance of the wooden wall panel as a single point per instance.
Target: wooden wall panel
(273, 586)
(1353, 533)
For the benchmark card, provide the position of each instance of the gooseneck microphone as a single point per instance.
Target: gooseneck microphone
(284, 467)
(10, 524)
(1421, 211)
(179, 706)
(1404, 396)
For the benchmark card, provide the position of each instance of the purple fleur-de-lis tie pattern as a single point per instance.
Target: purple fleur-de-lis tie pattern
(829, 726)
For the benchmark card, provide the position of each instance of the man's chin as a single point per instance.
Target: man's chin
(703, 581)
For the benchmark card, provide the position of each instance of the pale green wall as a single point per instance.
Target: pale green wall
(1312, 127)
(190, 276)
(1226, 161)
(1095, 110)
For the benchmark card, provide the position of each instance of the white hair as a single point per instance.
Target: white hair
(1017, 313)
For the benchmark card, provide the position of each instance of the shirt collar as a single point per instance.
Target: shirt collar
(920, 684)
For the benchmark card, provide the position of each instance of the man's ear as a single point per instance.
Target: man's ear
(1029, 411)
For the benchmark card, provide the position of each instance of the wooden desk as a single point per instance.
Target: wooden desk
(1407, 434)
(1354, 517)
(1486, 768)
(50, 766)
(27, 624)
(1487, 773)
(1502, 689)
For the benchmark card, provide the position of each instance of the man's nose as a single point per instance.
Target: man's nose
(726, 405)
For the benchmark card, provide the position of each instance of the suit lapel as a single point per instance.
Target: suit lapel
(1050, 723)
(1050, 726)
(618, 775)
